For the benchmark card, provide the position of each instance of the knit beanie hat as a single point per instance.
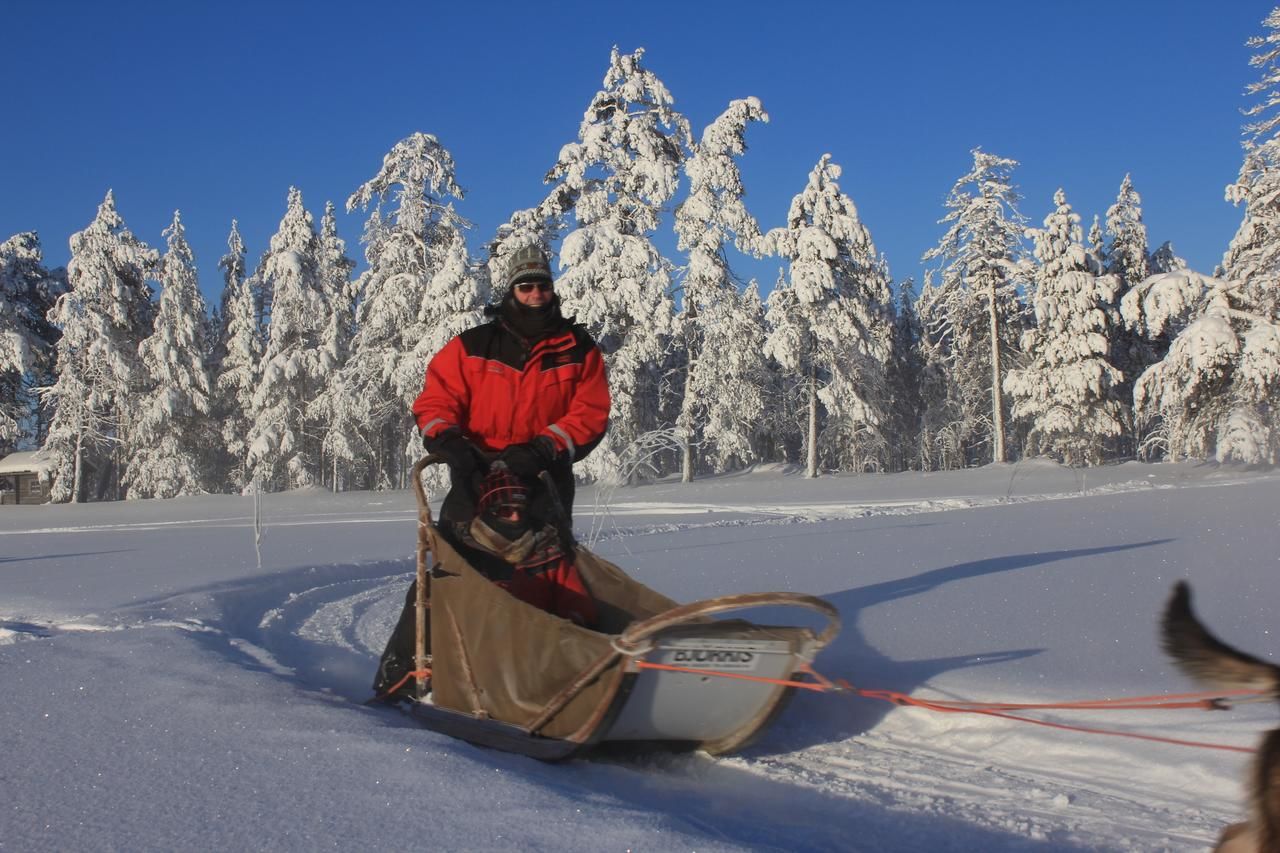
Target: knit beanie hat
(528, 263)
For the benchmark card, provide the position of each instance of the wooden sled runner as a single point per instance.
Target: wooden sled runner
(507, 675)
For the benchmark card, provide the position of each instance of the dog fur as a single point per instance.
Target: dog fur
(1208, 660)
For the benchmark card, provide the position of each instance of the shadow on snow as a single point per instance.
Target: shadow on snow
(814, 719)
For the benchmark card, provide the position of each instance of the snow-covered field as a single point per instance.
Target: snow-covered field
(161, 692)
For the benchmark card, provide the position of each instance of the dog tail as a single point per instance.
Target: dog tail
(1205, 658)
(1210, 661)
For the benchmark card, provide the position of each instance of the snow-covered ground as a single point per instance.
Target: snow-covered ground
(161, 692)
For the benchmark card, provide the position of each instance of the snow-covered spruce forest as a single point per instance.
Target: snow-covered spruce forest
(1029, 335)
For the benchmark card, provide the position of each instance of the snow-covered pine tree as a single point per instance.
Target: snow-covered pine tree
(1128, 261)
(1165, 259)
(169, 447)
(1253, 259)
(948, 418)
(1066, 390)
(103, 317)
(236, 379)
(1217, 388)
(335, 269)
(780, 438)
(619, 174)
(1153, 312)
(877, 446)
(215, 326)
(832, 323)
(1161, 307)
(258, 286)
(973, 316)
(746, 326)
(1211, 394)
(1096, 241)
(234, 270)
(343, 450)
(1057, 247)
(452, 303)
(339, 292)
(903, 376)
(282, 452)
(27, 338)
(339, 421)
(722, 397)
(1126, 251)
(418, 291)
(733, 381)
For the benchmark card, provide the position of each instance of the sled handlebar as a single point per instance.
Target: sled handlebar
(418, 489)
(562, 521)
(426, 546)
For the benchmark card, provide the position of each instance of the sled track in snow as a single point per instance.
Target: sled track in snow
(346, 615)
(1030, 800)
(331, 634)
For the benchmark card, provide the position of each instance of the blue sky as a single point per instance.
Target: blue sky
(217, 109)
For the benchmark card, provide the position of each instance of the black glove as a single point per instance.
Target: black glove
(530, 459)
(463, 457)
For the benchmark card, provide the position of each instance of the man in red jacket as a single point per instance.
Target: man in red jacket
(503, 402)
(527, 387)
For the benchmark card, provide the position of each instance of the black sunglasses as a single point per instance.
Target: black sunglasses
(530, 286)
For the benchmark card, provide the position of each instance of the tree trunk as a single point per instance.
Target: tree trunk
(997, 407)
(77, 478)
(811, 464)
(380, 468)
(687, 406)
(685, 421)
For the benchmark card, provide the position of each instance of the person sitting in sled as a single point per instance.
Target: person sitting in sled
(522, 394)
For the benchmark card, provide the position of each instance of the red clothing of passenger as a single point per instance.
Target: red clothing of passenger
(557, 588)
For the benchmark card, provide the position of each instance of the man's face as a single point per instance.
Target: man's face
(535, 294)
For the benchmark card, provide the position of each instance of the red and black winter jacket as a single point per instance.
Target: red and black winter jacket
(500, 389)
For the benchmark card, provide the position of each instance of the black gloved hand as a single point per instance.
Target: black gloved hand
(464, 460)
(530, 459)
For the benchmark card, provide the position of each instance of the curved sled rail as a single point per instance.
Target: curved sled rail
(632, 641)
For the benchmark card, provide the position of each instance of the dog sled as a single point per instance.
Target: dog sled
(504, 674)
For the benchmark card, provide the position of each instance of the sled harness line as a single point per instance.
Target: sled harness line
(1203, 701)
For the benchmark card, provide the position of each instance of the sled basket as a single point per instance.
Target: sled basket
(509, 675)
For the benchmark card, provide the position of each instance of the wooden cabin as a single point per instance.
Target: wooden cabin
(25, 478)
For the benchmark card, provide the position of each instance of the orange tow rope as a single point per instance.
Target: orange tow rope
(425, 673)
(1202, 701)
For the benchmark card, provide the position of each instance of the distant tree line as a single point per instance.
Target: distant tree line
(1022, 341)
